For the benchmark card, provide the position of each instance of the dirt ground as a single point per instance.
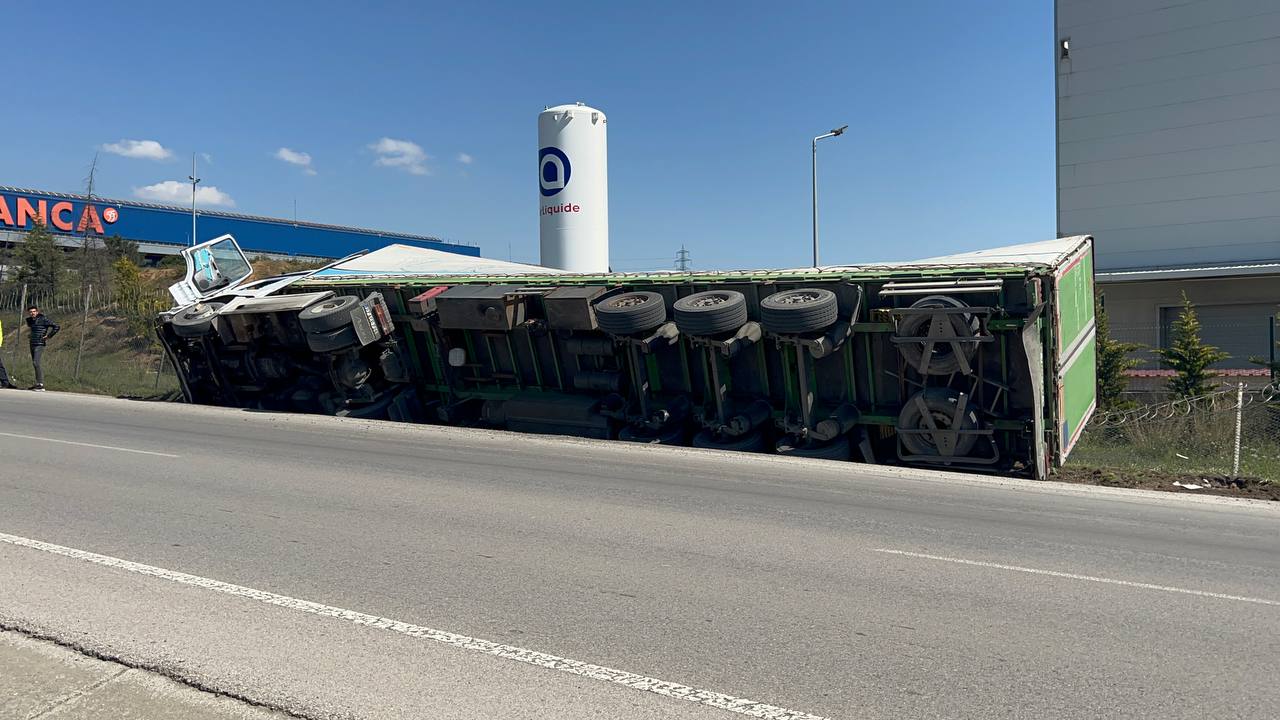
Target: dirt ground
(1154, 480)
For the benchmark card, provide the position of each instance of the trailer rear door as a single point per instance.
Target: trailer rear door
(1076, 347)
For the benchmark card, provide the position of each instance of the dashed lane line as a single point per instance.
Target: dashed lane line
(1073, 576)
(742, 706)
(88, 445)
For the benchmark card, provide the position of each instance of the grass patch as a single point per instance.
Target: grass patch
(114, 362)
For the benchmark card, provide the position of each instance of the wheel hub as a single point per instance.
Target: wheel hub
(710, 301)
(797, 298)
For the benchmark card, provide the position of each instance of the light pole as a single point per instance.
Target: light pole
(834, 133)
(194, 180)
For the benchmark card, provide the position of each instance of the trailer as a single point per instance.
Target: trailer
(982, 361)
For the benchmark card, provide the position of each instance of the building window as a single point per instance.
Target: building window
(1241, 330)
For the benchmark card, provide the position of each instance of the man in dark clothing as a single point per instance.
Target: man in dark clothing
(42, 328)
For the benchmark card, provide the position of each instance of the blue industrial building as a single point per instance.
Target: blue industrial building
(164, 230)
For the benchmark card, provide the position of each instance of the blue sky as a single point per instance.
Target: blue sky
(711, 109)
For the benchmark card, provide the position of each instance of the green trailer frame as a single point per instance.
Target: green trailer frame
(525, 351)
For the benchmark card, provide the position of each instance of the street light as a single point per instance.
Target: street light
(834, 133)
(194, 180)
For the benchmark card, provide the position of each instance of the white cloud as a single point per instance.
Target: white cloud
(296, 157)
(208, 159)
(147, 149)
(179, 193)
(465, 159)
(293, 157)
(403, 154)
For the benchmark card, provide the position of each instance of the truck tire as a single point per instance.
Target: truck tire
(751, 442)
(711, 313)
(195, 321)
(631, 313)
(795, 312)
(673, 434)
(838, 449)
(334, 340)
(328, 314)
(941, 403)
(376, 410)
(944, 360)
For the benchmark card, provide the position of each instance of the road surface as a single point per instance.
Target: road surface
(334, 568)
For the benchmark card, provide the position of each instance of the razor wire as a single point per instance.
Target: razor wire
(1225, 400)
(1229, 433)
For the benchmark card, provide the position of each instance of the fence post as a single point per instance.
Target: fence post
(22, 309)
(1235, 465)
(1275, 373)
(84, 324)
(160, 369)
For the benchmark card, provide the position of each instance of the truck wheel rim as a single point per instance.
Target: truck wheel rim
(710, 301)
(799, 297)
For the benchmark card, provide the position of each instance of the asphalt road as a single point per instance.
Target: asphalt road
(832, 589)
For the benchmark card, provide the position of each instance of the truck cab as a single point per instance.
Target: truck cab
(247, 342)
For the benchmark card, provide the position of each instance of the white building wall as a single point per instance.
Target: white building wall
(1169, 130)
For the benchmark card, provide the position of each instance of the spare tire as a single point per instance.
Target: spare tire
(631, 313)
(711, 313)
(750, 442)
(943, 360)
(194, 321)
(837, 449)
(328, 314)
(941, 404)
(794, 312)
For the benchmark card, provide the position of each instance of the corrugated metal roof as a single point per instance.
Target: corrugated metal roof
(1190, 272)
(235, 216)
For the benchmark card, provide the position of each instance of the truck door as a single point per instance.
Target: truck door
(213, 268)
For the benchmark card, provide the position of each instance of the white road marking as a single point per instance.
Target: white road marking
(1073, 576)
(88, 445)
(721, 701)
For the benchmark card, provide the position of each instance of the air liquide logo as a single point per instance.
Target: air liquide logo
(553, 170)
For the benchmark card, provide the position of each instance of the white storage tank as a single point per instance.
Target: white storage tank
(573, 188)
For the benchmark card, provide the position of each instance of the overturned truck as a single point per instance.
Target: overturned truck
(982, 361)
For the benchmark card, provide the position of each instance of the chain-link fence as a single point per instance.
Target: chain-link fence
(106, 344)
(1233, 433)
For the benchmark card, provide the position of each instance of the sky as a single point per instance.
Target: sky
(421, 117)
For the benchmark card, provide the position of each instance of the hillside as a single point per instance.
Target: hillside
(121, 356)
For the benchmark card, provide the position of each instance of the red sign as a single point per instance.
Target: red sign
(21, 212)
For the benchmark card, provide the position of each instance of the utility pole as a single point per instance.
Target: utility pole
(194, 181)
(683, 261)
(84, 232)
(834, 133)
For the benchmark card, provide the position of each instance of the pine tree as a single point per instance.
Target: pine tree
(117, 247)
(40, 261)
(1189, 356)
(1113, 360)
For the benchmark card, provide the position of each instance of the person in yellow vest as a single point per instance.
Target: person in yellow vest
(4, 375)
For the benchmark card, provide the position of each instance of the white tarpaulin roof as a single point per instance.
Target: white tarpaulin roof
(1045, 252)
(409, 261)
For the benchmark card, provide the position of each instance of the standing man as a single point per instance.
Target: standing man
(42, 328)
(5, 382)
